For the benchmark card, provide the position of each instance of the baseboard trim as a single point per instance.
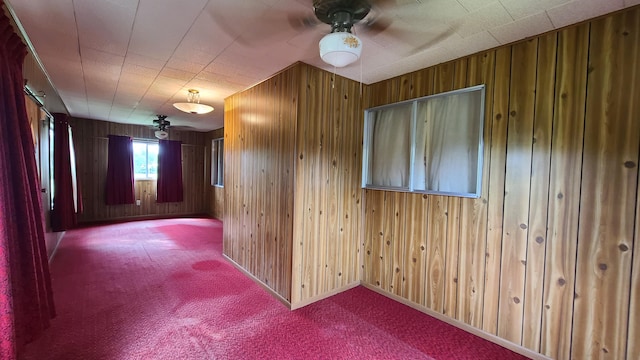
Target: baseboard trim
(462, 326)
(282, 299)
(329, 294)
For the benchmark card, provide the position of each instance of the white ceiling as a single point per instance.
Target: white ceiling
(128, 60)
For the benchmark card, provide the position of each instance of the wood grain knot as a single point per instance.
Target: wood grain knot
(516, 300)
(301, 156)
(564, 95)
(547, 307)
(368, 251)
(513, 113)
(424, 196)
(380, 233)
(562, 282)
(397, 270)
(523, 262)
(388, 242)
(339, 274)
(602, 267)
(623, 247)
(539, 239)
(378, 283)
(560, 195)
(455, 280)
(498, 116)
(629, 164)
(625, 33)
(422, 247)
(414, 260)
(523, 226)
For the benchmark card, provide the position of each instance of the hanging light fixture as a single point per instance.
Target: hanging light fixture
(340, 48)
(193, 106)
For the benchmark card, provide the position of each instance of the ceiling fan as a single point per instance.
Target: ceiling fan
(341, 46)
(162, 124)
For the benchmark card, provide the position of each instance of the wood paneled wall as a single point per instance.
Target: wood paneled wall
(91, 146)
(544, 257)
(259, 146)
(327, 203)
(215, 205)
(292, 182)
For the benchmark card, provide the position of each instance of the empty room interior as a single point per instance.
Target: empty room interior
(473, 161)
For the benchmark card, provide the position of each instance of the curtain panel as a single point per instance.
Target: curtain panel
(65, 197)
(119, 187)
(169, 171)
(26, 299)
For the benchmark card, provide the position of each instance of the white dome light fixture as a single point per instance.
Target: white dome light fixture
(161, 134)
(193, 106)
(340, 48)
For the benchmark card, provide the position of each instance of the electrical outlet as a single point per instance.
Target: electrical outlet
(138, 202)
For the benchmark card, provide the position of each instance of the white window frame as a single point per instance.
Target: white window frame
(147, 144)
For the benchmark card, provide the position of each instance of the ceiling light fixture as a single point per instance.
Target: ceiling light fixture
(161, 134)
(340, 48)
(193, 106)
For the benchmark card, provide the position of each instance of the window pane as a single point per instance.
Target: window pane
(139, 160)
(152, 160)
(390, 146)
(447, 143)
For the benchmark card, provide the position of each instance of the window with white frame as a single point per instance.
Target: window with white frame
(145, 160)
(428, 145)
(217, 162)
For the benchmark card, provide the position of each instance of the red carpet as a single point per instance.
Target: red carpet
(162, 290)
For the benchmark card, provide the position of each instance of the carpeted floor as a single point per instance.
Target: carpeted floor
(162, 290)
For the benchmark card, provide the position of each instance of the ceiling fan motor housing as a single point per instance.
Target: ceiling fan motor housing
(341, 14)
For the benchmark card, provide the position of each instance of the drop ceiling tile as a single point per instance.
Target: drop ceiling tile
(471, 45)
(472, 5)
(105, 25)
(177, 74)
(580, 10)
(519, 9)
(488, 17)
(144, 60)
(522, 28)
(186, 65)
(160, 40)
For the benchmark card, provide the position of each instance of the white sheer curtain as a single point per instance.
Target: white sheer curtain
(447, 142)
(390, 146)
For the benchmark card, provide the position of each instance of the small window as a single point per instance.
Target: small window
(217, 162)
(145, 160)
(427, 145)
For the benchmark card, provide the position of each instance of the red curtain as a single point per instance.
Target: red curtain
(169, 171)
(119, 187)
(63, 215)
(26, 299)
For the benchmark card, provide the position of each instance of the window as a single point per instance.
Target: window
(217, 162)
(145, 160)
(428, 145)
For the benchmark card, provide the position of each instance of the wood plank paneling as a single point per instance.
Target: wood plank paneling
(517, 187)
(564, 191)
(258, 170)
(292, 146)
(473, 212)
(91, 146)
(539, 191)
(499, 101)
(545, 257)
(609, 189)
